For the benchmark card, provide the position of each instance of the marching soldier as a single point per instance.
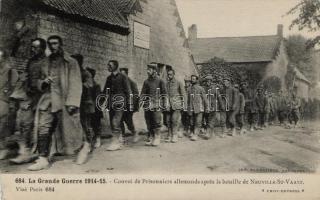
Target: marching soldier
(118, 88)
(240, 108)
(282, 107)
(250, 105)
(176, 97)
(197, 105)
(294, 108)
(185, 116)
(128, 115)
(28, 96)
(232, 99)
(58, 107)
(97, 115)
(216, 106)
(262, 106)
(152, 90)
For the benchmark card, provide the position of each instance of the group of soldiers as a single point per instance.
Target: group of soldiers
(55, 106)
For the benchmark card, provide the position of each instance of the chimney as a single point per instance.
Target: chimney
(192, 32)
(280, 30)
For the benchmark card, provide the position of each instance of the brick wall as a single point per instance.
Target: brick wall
(99, 45)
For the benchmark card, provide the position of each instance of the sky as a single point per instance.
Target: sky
(227, 18)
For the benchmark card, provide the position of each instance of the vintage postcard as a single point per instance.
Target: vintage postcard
(159, 99)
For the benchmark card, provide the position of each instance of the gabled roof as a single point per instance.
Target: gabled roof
(98, 10)
(236, 49)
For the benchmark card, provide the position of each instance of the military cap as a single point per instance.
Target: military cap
(153, 66)
(126, 70)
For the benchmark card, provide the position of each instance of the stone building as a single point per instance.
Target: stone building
(264, 55)
(134, 32)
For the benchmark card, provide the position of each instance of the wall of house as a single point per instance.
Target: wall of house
(167, 39)
(302, 89)
(278, 67)
(98, 45)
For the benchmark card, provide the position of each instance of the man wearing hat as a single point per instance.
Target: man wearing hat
(197, 105)
(152, 90)
(128, 115)
(176, 97)
(232, 99)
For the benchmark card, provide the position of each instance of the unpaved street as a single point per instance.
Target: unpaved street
(275, 149)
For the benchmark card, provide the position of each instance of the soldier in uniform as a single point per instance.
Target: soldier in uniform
(240, 108)
(216, 106)
(250, 106)
(176, 97)
(152, 90)
(232, 98)
(282, 107)
(118, 88)
(197, 105)
(28, 96)
(295, 105)
(185, 116)
(128, 115)
(58, 108)
(97, 115)
(87, 108)
(262, 106)
(8, 80)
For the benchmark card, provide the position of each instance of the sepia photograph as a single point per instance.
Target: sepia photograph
(159, 87)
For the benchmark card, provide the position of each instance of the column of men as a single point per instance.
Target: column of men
(55, 100)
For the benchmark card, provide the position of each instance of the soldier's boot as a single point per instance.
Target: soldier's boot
(24, 156)
(175, 136)
(41, 163)
(116, 144)
(243, 131)
(224, 132)
(194, 136)
(169, 135)
(209, 134)
(97, 143)
(149, 141)
(4, 153)
(180, 133)
(83, 154)
(233, 132)
(157, 138)
(136, 137)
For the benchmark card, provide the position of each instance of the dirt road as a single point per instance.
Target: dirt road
(274, 149)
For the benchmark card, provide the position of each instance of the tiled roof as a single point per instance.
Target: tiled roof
(124, 6)
(236, 49)
(98, 10)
